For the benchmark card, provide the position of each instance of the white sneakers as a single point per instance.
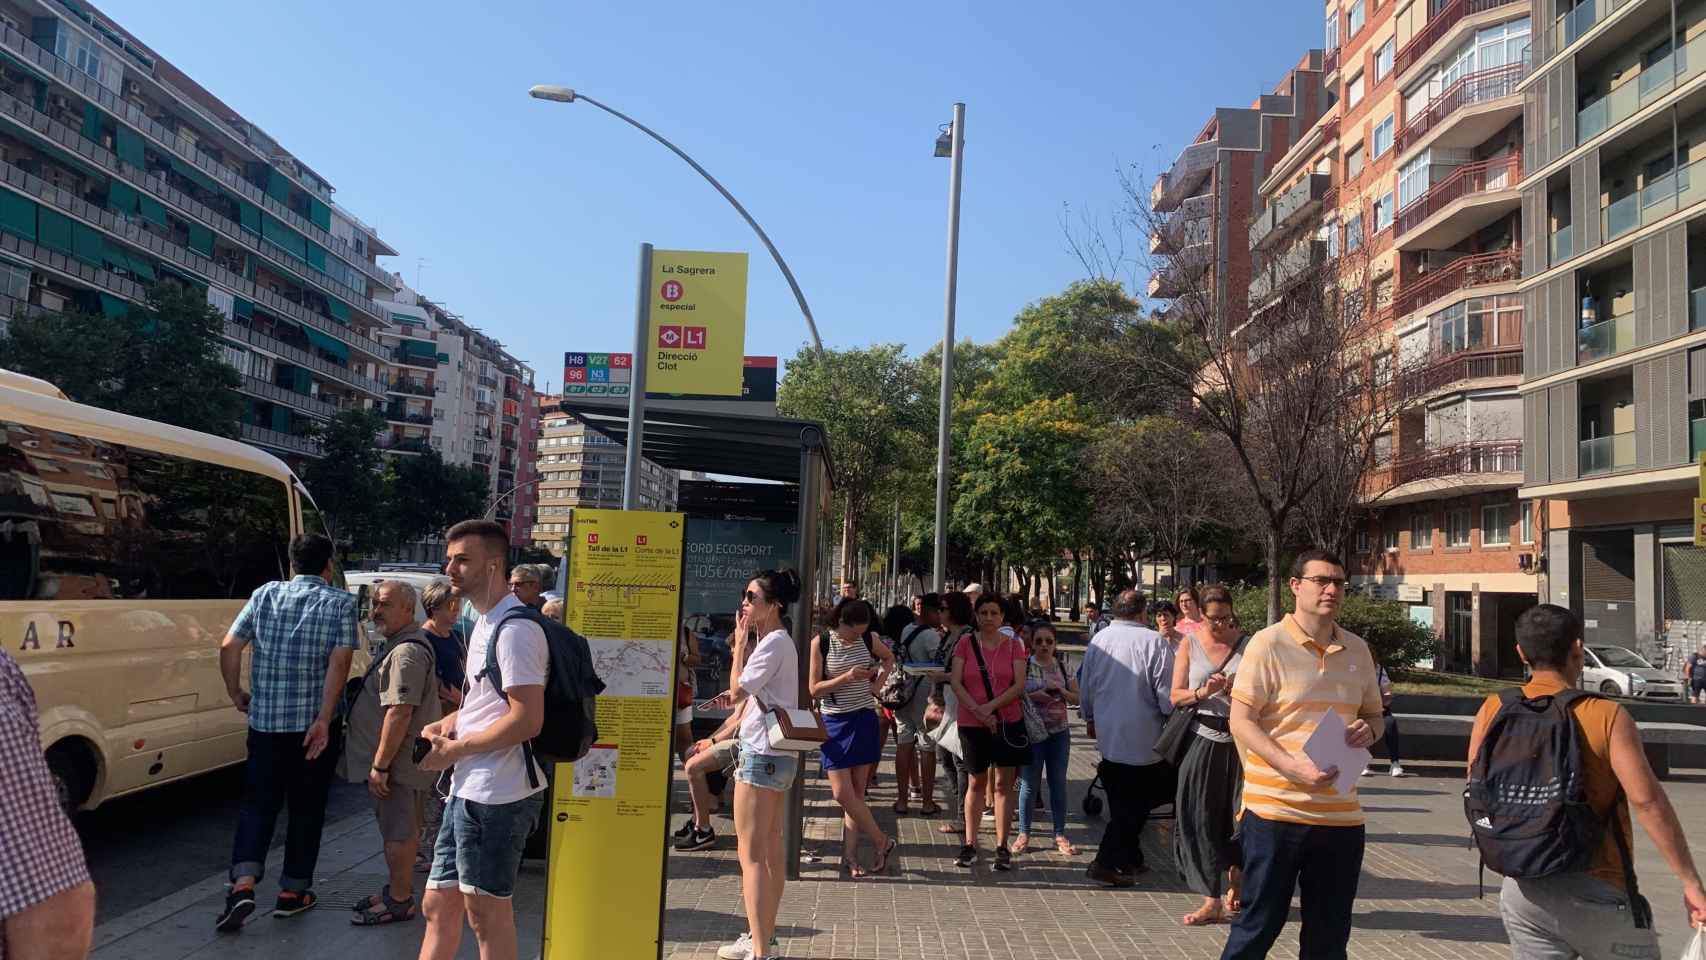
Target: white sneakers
(741, 949)
(1398, 770)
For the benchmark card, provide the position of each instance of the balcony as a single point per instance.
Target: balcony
(512, 420)
(402, 416)
(1452, 210)
(483, 457)
(1570, 27)
(1696, 438)
(1469, 111)
(1657, 200)
(409, 386)
(1186, 177)
(484, 407)
(1697, 308)
(1460, 469)
(1290, 208)
(1446, 369)
(1438, 26)
(487, 380)
(296, 356)
(1283, 271)
(1181, 274)
(1561, 245)
(404, 358)
(512, 393)
(1461, 274)
(278, 440)
(1602, 455)
(1653, 82)
(1606, 338)
(1330, 62)
(1184, 227)
(256, 387)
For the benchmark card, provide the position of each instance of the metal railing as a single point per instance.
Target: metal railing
(90, 89)
(1483, 176)
(278, 439)
(488, 381)
(1443, 369)
(1606, 338)
(1654, 81)
(403, 357)
(131, 230)
(1570, 27)
(407, 445)
(302, 358)
(1659, 199)
(1478, 87)
(417, 388)
(399, 416)
(1471, 457)
(1606, 454)
(1330, 61)
(1290, 207)
(255, 386)
(1438, 26)
(60, 263)
(1459, 274)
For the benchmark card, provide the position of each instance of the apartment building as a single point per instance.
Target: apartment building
(117, 171)
(1614, 338)
(1205, 202)
(580, 467)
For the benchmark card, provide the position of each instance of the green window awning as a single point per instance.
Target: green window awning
(336, 348)
(250, 215)
(122, 197)
(88, 245)
(319, 214)
(340, 310)
(55, 230)
(17, 215)
(289, 240)
(243, 308)
(416, 348)
(316, 256)
(114, 306)
(91, 122)
(278, 186)
(153, 210)
(281, 418)
(192, 173)
(136, 263)
(201, 239)
(128, 145)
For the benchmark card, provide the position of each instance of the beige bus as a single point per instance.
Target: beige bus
(126, 549)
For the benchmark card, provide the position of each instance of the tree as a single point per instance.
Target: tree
(348, 481)
(160, 362)
(425, 496)
(868, 400)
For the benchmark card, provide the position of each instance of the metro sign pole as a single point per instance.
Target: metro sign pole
(637, 389)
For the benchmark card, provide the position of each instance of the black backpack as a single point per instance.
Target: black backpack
(571, 691)
(1527, 795)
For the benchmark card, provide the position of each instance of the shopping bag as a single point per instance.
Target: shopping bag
(1696, 947)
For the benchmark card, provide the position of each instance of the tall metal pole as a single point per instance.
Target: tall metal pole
(637, 388)
(940, 561)
(894, 559)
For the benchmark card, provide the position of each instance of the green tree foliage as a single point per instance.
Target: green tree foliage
(1020, 491)
(348, 482)
(160, 362)
(425, 496)
(1394, 639)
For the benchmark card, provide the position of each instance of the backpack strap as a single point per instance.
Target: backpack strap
(495, 672)
(983, 667)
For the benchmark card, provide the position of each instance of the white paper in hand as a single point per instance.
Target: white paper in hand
(1326, 747)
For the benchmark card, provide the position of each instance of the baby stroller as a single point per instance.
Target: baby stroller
(1094, 804)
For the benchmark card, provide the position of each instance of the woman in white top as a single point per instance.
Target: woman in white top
(766, 674)
(847, 666)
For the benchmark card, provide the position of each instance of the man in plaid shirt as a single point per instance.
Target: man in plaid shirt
(304, 634)
(47, 904)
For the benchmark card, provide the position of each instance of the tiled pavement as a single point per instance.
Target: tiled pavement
(1417, 899)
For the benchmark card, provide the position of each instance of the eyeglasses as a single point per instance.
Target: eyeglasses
(1324, 582)
(1222, 621)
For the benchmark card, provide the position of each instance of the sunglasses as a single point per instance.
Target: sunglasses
(752, 596)
(1222, 621)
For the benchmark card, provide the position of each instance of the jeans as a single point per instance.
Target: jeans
(1133, 791)
(1394, 746)
(479, 845)
(1569, 915)
(278, 773)
(1279, 857)
(959, 780)
(1048, 756)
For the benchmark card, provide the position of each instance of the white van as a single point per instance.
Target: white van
(127, 547)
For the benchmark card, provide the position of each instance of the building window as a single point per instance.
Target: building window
(1383, 212)
(1353, 92)
(1383, 136)
(1496, 524)
(1353, 162)
(1353, 233)
(1362, 540)
(1413, 180)
(1389, 538)
(1383, 449)
(1421, 530)
(1354, 19)
(1527, 523)
(1383, 59)
(1332, 32)
(1457, 527)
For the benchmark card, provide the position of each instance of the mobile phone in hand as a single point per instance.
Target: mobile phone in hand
(423, 746)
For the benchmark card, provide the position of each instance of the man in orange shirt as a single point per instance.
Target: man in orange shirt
(1297, 829)
(1590, 912)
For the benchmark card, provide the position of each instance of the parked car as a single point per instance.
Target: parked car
(1621, 672)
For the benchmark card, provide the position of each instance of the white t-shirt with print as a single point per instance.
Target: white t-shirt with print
(501, 775)
(771, 674)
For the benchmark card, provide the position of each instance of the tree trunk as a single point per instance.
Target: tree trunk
(1273, 558)
(1051, 590)
(1077, 584)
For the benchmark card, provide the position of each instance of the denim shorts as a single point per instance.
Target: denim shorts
(772, 771)
(479, 845)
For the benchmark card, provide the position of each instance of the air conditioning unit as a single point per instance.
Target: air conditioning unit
(132, 88)
(57, 100)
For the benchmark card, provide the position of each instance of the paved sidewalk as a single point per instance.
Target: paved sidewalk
(1417, 899)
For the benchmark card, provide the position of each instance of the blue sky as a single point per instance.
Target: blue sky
(819, 116)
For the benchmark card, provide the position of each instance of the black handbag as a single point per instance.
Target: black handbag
(1176, 733)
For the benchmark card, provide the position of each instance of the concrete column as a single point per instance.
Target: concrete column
(1560, 569)
(1647, 613)
(1480, 639)
(1441, 656)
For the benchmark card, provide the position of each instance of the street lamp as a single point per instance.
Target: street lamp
(950, 143)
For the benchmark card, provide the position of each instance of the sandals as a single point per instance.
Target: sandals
(1204, 916)
(376, 911)
(1065, 847)
(1021, 843)
(882, 861)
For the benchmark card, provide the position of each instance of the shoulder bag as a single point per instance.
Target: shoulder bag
(1175, 738)
(793, 729)
(989, 688)
(900, 687)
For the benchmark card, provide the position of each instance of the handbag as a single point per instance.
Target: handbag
(901, 686)
(793, 729)
(989, 688)
(1035, 729)
(1175, 737)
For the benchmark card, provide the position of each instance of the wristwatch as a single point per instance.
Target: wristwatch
(384, 770)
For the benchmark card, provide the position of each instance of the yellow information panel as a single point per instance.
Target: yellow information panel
(609, 810)
(1700, 522)
(698, 323)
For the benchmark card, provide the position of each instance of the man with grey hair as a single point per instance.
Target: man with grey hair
(1125, 695)
(399, 696)
(527, 582)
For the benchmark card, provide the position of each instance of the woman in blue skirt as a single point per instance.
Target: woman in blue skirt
(846, 671)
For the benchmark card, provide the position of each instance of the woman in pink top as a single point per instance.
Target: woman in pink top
(1190, 610)
(988, 676)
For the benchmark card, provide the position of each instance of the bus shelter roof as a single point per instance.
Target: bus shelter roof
(683, 435)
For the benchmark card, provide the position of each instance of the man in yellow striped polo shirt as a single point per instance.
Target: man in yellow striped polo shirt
(1297, 829)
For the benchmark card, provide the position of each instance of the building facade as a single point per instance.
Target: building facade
(580, 467)
(1614, 346)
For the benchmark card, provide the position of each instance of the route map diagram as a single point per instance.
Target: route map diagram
(595, 773)
(632, 668)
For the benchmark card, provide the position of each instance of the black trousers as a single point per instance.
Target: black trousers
(279, 773)
(1322, 863)
(1133, 791)
(1394, 746)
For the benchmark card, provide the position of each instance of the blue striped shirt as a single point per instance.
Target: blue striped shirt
(293, 626)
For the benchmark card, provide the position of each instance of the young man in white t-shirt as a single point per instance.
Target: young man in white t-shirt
(493, 802)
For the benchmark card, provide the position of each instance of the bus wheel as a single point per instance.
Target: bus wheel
(70, 776)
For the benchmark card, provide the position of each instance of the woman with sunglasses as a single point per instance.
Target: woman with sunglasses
(987, 674)
(766, 675)
(1211, 778)
(848, 667)
(1051, 687)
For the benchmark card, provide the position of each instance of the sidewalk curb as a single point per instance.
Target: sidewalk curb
(142, 917)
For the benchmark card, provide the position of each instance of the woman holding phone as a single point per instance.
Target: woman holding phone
(1052, 689)
(1211, 778)
(847, 669)
(987, 674)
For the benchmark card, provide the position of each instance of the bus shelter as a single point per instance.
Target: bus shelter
(790, 462)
